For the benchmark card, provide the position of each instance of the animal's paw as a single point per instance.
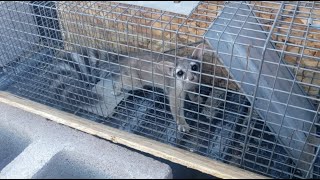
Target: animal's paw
(116, 93)
(183, 128)
(116, 90)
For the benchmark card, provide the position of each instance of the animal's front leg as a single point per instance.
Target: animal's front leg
(195, 96)
(176, 106)
(117, 89)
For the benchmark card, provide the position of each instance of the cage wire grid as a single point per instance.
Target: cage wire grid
(226, 124)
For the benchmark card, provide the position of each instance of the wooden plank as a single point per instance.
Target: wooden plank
(191, 160)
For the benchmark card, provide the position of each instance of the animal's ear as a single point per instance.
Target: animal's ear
(197, 53)
(166, 67)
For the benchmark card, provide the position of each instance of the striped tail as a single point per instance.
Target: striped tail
(76, 73)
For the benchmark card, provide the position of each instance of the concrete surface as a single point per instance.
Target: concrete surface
(33, 147)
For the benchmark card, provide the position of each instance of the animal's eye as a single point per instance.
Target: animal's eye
(194, 67)
(180, 73)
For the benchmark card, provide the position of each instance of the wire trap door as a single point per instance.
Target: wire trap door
(244, 48)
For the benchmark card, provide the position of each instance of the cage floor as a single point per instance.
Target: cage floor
(218, 134)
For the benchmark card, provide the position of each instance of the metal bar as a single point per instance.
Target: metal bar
(313, 161)
(295, 103)
(226, 127)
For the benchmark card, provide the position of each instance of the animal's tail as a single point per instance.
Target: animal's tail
(76, 73)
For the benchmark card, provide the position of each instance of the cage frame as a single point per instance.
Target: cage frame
(121, 137)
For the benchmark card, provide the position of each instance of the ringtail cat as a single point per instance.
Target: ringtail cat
(78, 72)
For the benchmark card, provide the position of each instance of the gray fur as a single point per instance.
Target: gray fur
(78, 72)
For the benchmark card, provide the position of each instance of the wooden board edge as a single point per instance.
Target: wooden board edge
(176, 155)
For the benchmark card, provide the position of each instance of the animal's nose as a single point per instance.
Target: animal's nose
(191, 78)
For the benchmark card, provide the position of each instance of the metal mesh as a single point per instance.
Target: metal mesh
(261, 57)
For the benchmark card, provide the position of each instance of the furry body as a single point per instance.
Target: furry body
(76, 73)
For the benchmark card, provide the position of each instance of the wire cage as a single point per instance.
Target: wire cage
(259, 77)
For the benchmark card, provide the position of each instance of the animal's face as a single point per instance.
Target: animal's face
(188, 71)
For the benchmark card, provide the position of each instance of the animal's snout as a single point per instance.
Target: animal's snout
(193, 78)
